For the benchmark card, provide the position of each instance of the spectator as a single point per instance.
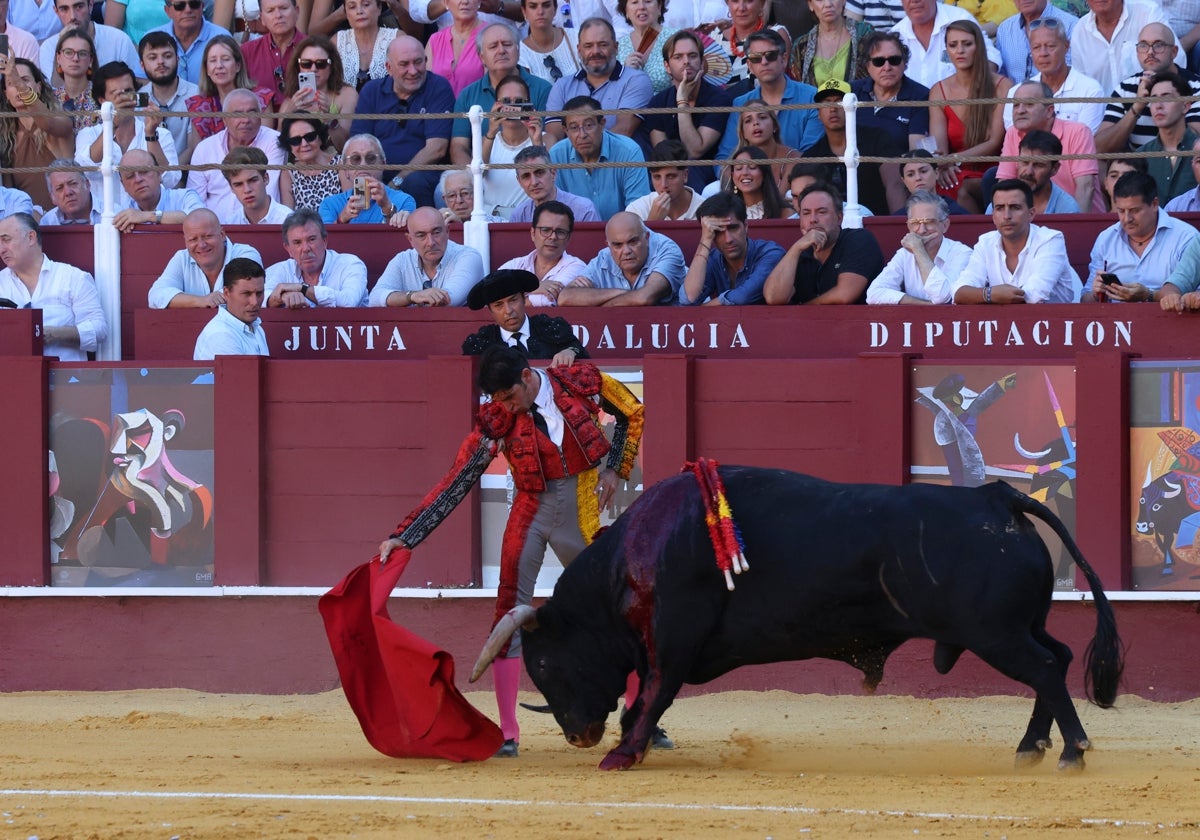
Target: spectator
(804, 175)
(267, 57)
(672, 199)
(38, 19)
(149, 201)
(331, 95)
(968, 130)
(610, 188)
(767, 54)
(192, 34)
(538, 336)
(365, 47)
(223, 72)
(135, 22)
(833, 49)
(249, 187)
(314, 274)
(21, 44)
(74, 63)
(409, 88)
(434, 272)
(190, 279)
(1127, 125)
(373, 203)
(457, 187)
(639, 48)
(747, 19)
(923, 31)
(1179, 293)
(71, 195)
(108, 44)
(1100, 41)
(34, 130)
(1188, 202)
(512, 128)
(498, 50)
(1140, 250)
(922, 269)
(15, 201)
(160, 64)
(1077, 177)
(826, 265)
(882, 15)
(539, 179)
(236, 329)
(548, 51)
(1050, 47)
(879, 187)
(610, 84)
(1014, 36)
(453, 51)
(919, 171)
(1048, 197)
(304, 139)
(887, 61)
(549, 262)
(638, 268)
(1117, 168)
(758, 126)
(73, 322)
(728, 267)
(115, 83)
(754, 183)
(243, 128)
(683, 58)
(1173, 175)
(1040, 273)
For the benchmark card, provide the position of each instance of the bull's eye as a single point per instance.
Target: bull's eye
(1142, 500)
(1156, 506)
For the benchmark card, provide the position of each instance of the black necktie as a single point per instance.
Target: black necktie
(519, 342)
(539, 420)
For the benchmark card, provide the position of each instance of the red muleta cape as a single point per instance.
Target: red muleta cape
(400, 686)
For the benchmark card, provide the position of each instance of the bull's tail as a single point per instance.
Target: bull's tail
(1104, 659)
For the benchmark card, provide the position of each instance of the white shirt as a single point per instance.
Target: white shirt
(111, 45)
(225, 335)
(1110, 62)
(37, 17)
(211, 185)
(564, 271)
(1043, 271)
(641, 206)
(1075, 85)
(555, 426)
(901, 276)
(276, 213)
(342, 281)
(930, 66)
(169, 201)
(459, 270)
(54, 217)
(67, 297)
(183, 275)
(83, 156)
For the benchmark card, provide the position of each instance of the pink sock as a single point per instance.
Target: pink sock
(506, 674)
(632, 685)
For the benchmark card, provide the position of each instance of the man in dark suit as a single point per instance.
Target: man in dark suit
(540, 336)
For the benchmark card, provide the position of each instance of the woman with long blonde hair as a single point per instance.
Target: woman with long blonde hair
(34, 129)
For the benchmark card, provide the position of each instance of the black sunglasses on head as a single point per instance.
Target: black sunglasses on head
(894, 60)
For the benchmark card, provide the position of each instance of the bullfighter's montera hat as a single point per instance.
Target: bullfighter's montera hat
(501, 284)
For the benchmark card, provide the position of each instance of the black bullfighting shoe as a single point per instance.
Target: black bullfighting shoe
(660, 740)
(507, 750)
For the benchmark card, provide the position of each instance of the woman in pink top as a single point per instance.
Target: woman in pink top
(452, 52)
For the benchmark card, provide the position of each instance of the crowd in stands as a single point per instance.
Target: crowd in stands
(285, 86)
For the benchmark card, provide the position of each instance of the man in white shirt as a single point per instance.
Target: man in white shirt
(71, 196)
(73, 323)
(191, 277)
(150, 203)
(249, 187)
(111, 43)
(1104, 42)
(1018, 262)
(314, 275)
(434, 272)
(920, 271)
(923, 31)
(1049, 45)
(160, 64)
(672, 199)
(243, 128)
(236, 329)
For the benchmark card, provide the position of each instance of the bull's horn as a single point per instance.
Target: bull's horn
(522, 616)
(1175, 488)
(1149, 477)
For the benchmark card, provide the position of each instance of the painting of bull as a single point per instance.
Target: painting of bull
(846, 572)
(1162, 507)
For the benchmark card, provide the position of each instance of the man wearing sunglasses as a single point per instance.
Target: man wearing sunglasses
(767, 57)
(1049, 46)
(268, 56)
(1014, 34)
(191, 33)
(366, 199)
(111, 43)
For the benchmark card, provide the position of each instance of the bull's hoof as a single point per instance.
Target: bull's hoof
(1028, 758)
(1071, 765)
(617, 761)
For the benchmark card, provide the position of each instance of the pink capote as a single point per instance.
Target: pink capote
(400, 686)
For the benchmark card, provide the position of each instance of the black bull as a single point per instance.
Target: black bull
(840, 571)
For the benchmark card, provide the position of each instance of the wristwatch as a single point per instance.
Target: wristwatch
(304, 287)
(158, 214)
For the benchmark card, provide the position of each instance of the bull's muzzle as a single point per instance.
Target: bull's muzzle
(591, 735)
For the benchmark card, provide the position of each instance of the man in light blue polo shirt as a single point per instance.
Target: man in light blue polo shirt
(638, 268)
(610, 188)
(768, 59)
(191, 33)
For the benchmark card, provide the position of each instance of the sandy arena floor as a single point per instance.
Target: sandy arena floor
(179, 764)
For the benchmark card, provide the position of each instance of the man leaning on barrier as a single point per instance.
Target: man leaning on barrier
(314, 274)
(193, 276)
(149, 201)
